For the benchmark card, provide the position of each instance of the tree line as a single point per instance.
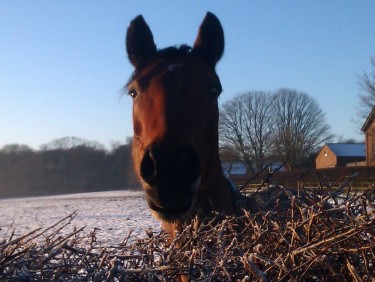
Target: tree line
(65, 165)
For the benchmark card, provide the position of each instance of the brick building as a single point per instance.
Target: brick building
(340, 154)
(369, 129)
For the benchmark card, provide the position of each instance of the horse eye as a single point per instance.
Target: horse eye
(216, 91)
(133, 93)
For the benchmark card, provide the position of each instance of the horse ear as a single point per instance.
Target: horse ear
(209, 43)
(140, 44)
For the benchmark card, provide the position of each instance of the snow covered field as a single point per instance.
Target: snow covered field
(114, 213)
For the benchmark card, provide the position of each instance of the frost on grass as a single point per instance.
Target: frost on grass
(281, 235)
(112, 214)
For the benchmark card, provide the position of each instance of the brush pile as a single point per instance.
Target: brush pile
(278, 235)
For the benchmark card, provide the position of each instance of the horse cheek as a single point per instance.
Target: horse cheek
(137, 137)
(136, 156)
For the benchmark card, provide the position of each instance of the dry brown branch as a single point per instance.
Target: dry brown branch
(277, 235)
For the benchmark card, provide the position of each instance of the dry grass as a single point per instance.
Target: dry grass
(281, 235)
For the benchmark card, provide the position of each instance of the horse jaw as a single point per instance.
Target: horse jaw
(194, 187)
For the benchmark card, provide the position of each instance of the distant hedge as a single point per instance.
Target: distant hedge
(322, 177)
(81, 168)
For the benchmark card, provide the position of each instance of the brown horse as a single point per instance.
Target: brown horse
(175, 122)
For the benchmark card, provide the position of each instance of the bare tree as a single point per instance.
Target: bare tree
(69, 142)
(229, 156)
(246, 122)
(15, 148)
(367, 97)
(300, 126)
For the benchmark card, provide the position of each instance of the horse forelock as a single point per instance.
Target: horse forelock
(164, 58)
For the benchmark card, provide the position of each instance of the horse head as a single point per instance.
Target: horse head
(175, 121)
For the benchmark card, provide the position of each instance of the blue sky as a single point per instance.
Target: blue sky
(63, 63)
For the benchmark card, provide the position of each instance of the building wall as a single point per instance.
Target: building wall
(344, 161)
(370, 145)
(326, 158)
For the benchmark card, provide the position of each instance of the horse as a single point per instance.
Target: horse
(175, 147)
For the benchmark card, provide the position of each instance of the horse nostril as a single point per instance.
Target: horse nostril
(162, 167)
(189, 166)
(148, 167)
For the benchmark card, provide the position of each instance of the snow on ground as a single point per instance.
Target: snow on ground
(114, 213)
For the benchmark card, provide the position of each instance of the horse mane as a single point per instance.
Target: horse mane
(173, 51)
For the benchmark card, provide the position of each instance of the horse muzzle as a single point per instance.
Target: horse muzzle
(171, 178)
